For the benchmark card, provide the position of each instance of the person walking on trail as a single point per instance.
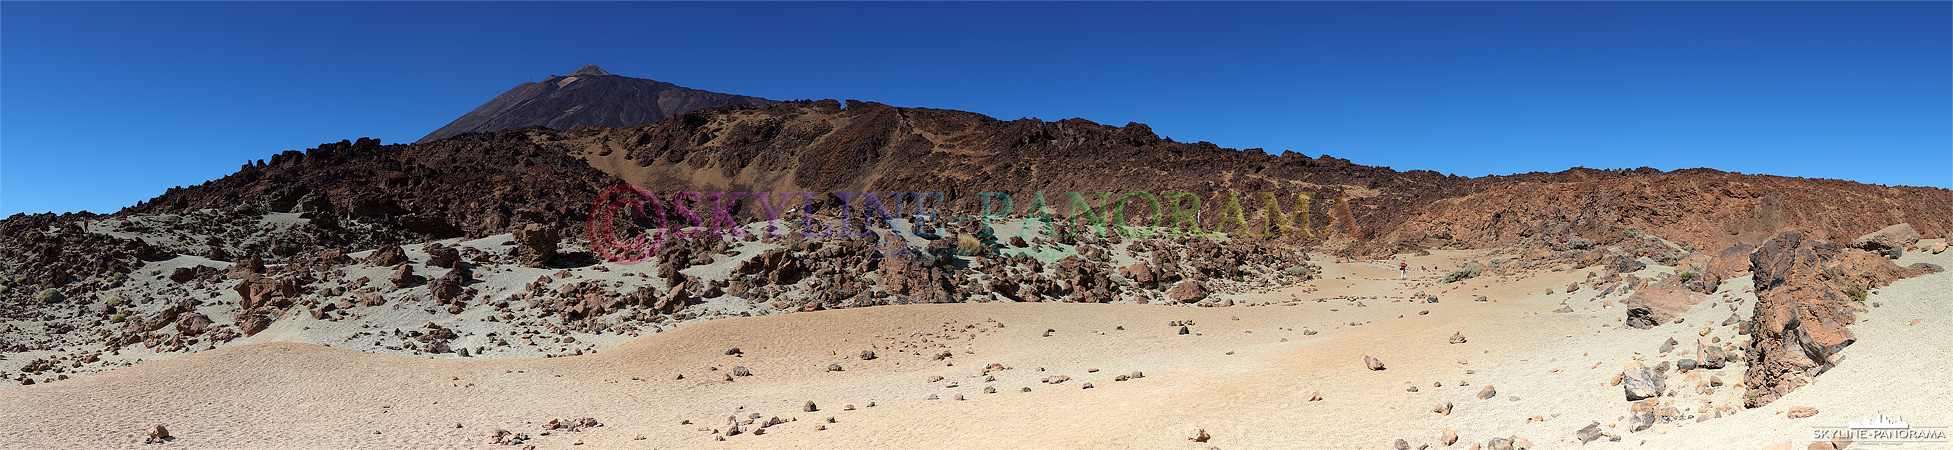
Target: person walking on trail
(1403, 270)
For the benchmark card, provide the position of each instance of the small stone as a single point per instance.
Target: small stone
(1457, 337)
(1400, 445)
(1799, 412)
(741, 371)
(1372, 363)
(1443, 408)
(1197, 434)
(1448, 437)
(834, 367)
(1589, 433)
(867, 355)
(732, 351)
(158, 434)
(1315, 396)
(1487, 393)
(1184, 330)
(809, 407)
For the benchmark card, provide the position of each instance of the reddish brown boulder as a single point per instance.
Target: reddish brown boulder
(259, 290)
(192, 324)
(1188, 291)
(448, 286)
(442, 256)
(536, 244)
(387, 256)
(247, 267)
(1805, 289)
(1896, 236)
(1139, 273)
(403, 276)
(676, 301)
(1659, 303)
(253, 322)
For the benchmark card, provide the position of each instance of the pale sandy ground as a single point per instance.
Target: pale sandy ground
(1246, 381)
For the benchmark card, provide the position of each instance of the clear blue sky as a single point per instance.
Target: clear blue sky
(106, 104)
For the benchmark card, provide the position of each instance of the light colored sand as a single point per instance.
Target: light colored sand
(291, 395)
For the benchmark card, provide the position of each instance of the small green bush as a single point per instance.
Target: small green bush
(1469, 270)
(50, 295)
(1857, 294)
(119, 317)
(1686, 276)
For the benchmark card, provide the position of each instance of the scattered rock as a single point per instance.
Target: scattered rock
(1487, 393)
(1641, 415)
(1457, 337)
(1799, 412)
(1197, 434)
(1372, 363)
(158, 435)
(1443, 408)
(1640, 382)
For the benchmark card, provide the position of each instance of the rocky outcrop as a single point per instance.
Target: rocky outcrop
(1805, 304)
(1726, 264)
(260, 291)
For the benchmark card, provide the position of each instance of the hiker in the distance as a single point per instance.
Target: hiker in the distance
(1403, 270)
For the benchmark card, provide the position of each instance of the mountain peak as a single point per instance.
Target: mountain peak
(590, 69)
(600, 98)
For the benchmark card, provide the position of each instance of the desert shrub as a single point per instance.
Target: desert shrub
(968, 245)
(50, 295)
(1470, 269)
(119, 317)
(1686, 276)
(1857, 294)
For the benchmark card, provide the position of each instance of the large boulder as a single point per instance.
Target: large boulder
(1896, 236)
(192, 324)
(1188, 291)
(1805, 292)
(388, 256)
(536, 244)
(1660, 303)
(1139, 273)
(259, 290)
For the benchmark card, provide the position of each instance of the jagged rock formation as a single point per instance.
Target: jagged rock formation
(1807, 291)
(589, 96)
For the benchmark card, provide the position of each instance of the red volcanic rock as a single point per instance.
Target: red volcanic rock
(1187, 291)
(448, 286)
(403, 276)
(439, 256)
(536, 244)
(1804, 290)
(1139, 273)
(1659, 303)
(387, 256)
(258, 290)
(252, 322)
(1726, 264)
(1896, 236)
(192, 324)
